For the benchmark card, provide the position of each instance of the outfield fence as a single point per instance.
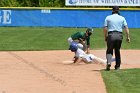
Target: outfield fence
(63, 17)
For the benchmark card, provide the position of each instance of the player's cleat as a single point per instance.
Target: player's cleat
(117, 68)
(108, 67)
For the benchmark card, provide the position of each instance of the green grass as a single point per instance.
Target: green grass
(43, 38)
(123, 81)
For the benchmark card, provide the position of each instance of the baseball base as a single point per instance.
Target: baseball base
(67, 62)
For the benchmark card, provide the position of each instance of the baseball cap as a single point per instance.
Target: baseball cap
(89, 30)
(115, 8)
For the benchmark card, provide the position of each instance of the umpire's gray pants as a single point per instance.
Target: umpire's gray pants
(114, 41)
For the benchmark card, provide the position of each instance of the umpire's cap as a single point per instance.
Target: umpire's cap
(115, 8)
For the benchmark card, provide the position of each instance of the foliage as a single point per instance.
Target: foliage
(37, 3)
(19, 3)
(51, 3)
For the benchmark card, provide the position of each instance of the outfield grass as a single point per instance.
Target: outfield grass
(123, 81)
(42, 38)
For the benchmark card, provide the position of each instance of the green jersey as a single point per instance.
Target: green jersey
(81, 35)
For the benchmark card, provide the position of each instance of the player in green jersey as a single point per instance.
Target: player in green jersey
(83, 39)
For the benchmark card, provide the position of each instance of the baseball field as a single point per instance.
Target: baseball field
(31, 61)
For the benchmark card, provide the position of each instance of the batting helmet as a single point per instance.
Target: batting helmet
(73, 47)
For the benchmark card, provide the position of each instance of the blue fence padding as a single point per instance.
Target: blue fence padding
(64, 18)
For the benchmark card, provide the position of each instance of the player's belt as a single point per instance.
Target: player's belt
(110, 32)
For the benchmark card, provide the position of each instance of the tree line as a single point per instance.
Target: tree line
(32, 3)
(38, 3)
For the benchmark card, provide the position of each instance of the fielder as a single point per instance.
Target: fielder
(82, 38)
(81, 56)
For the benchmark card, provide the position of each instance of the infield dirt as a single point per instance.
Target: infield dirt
(44, 72)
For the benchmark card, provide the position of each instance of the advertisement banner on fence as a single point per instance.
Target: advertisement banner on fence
(5, 17)
(102, 2)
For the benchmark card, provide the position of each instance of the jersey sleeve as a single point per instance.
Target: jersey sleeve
(124, 22)
(88, 40)
(105, 22)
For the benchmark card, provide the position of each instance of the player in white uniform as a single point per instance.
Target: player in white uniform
(81, 56)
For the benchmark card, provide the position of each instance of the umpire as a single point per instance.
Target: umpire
(113, 28)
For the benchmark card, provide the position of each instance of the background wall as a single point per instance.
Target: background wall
(63, 17)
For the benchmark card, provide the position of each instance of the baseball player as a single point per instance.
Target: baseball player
(81, 56)
(82, 38)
